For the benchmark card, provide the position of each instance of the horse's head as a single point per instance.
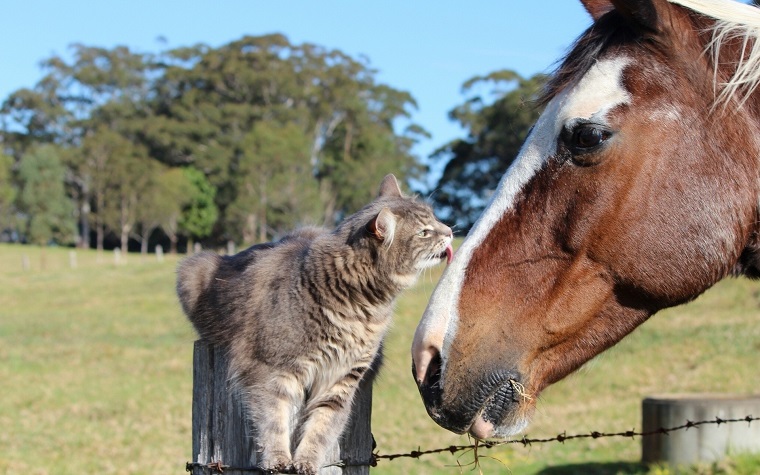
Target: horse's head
(636, 190)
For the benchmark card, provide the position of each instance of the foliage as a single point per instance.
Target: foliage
(7, 192)
(43, 200)
(282, 134)
(199, 212)
(274, 181)
(496, 131)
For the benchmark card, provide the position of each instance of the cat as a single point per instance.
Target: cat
(303, 318)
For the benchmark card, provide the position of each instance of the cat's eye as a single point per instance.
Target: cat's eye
(424, 233)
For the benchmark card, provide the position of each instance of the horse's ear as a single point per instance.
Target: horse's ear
(383, 226)
(597, 8)
(642, 12)
(389, 187)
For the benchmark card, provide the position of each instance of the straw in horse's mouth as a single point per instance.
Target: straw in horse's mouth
(499, 402)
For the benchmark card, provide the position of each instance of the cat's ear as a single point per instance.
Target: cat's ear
(389, 187)
(383, 226)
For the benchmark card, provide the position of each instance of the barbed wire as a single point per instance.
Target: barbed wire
(219, 467)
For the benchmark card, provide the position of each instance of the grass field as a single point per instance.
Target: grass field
(95, 371)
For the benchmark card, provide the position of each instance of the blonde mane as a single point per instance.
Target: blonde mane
(733, 20)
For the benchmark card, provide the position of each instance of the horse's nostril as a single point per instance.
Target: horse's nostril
(422, 360)
(428, 376)
(433, 374)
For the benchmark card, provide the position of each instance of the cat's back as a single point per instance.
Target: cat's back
(213, 288)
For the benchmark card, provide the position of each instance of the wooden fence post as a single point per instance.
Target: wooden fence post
(700, 444)
(222, 433)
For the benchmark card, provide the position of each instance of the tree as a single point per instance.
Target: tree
(133, 175)
(276, 189)
(161, 205)
(43, 199)
(199, 213)
(97, 165)
(117, 114)
(208, 101)
(496, 131)
(8, 192)
(99, 88)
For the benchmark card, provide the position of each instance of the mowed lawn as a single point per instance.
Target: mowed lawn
(96, 376)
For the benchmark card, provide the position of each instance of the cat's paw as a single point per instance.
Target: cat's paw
(305, 467)
(276, 462)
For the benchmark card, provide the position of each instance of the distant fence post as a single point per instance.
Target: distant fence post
(698, 444)
(222, 433)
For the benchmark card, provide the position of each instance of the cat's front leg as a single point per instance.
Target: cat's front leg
(325, 417)
(273, 407)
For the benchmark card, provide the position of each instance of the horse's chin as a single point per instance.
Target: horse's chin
(483, 429)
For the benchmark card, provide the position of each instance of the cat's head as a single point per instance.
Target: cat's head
(407, 236)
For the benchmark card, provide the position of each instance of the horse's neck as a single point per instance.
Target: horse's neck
(749, 262)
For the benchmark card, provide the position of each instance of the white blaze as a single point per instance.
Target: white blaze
(598, 92)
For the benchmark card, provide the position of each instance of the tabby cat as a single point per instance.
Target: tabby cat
(303, 318)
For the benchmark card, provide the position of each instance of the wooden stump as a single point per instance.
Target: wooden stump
(222, 433)
(705, 443)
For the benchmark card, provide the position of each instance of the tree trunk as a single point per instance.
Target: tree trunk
(124, 242)
(125, 227)
(249, 230)
(99, 232)
(173, 243)
(263, 207)
(85, 220)
(99, 207)
(144, 246)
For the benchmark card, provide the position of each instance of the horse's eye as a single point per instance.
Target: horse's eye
(588, 136)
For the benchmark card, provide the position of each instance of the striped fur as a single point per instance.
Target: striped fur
(303, 318)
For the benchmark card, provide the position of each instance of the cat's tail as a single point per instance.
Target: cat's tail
(194, 276)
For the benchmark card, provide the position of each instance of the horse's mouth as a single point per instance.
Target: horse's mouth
(497, 408)
(483, 413)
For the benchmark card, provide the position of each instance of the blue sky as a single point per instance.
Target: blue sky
(424, 47)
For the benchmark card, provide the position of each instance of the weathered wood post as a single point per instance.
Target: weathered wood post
(699, 444)
(222, 433)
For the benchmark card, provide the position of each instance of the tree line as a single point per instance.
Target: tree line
(236, 143)
(239, 142)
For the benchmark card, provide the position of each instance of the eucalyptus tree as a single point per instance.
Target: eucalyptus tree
(209, 102)
(49, 212)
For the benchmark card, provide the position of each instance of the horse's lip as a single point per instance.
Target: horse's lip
(500, 402)
(495, 404)
(490, 401)
(494, 408)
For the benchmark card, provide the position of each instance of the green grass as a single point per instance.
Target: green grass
(96, 375)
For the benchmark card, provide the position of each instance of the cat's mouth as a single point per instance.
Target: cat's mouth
(447, 254)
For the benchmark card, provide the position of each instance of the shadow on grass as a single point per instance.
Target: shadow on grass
(611, 468)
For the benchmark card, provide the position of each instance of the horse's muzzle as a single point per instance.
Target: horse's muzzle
(480, 412)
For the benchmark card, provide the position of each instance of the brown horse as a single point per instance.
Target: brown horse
(636, 190)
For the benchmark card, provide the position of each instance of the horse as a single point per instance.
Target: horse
(637, 189)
